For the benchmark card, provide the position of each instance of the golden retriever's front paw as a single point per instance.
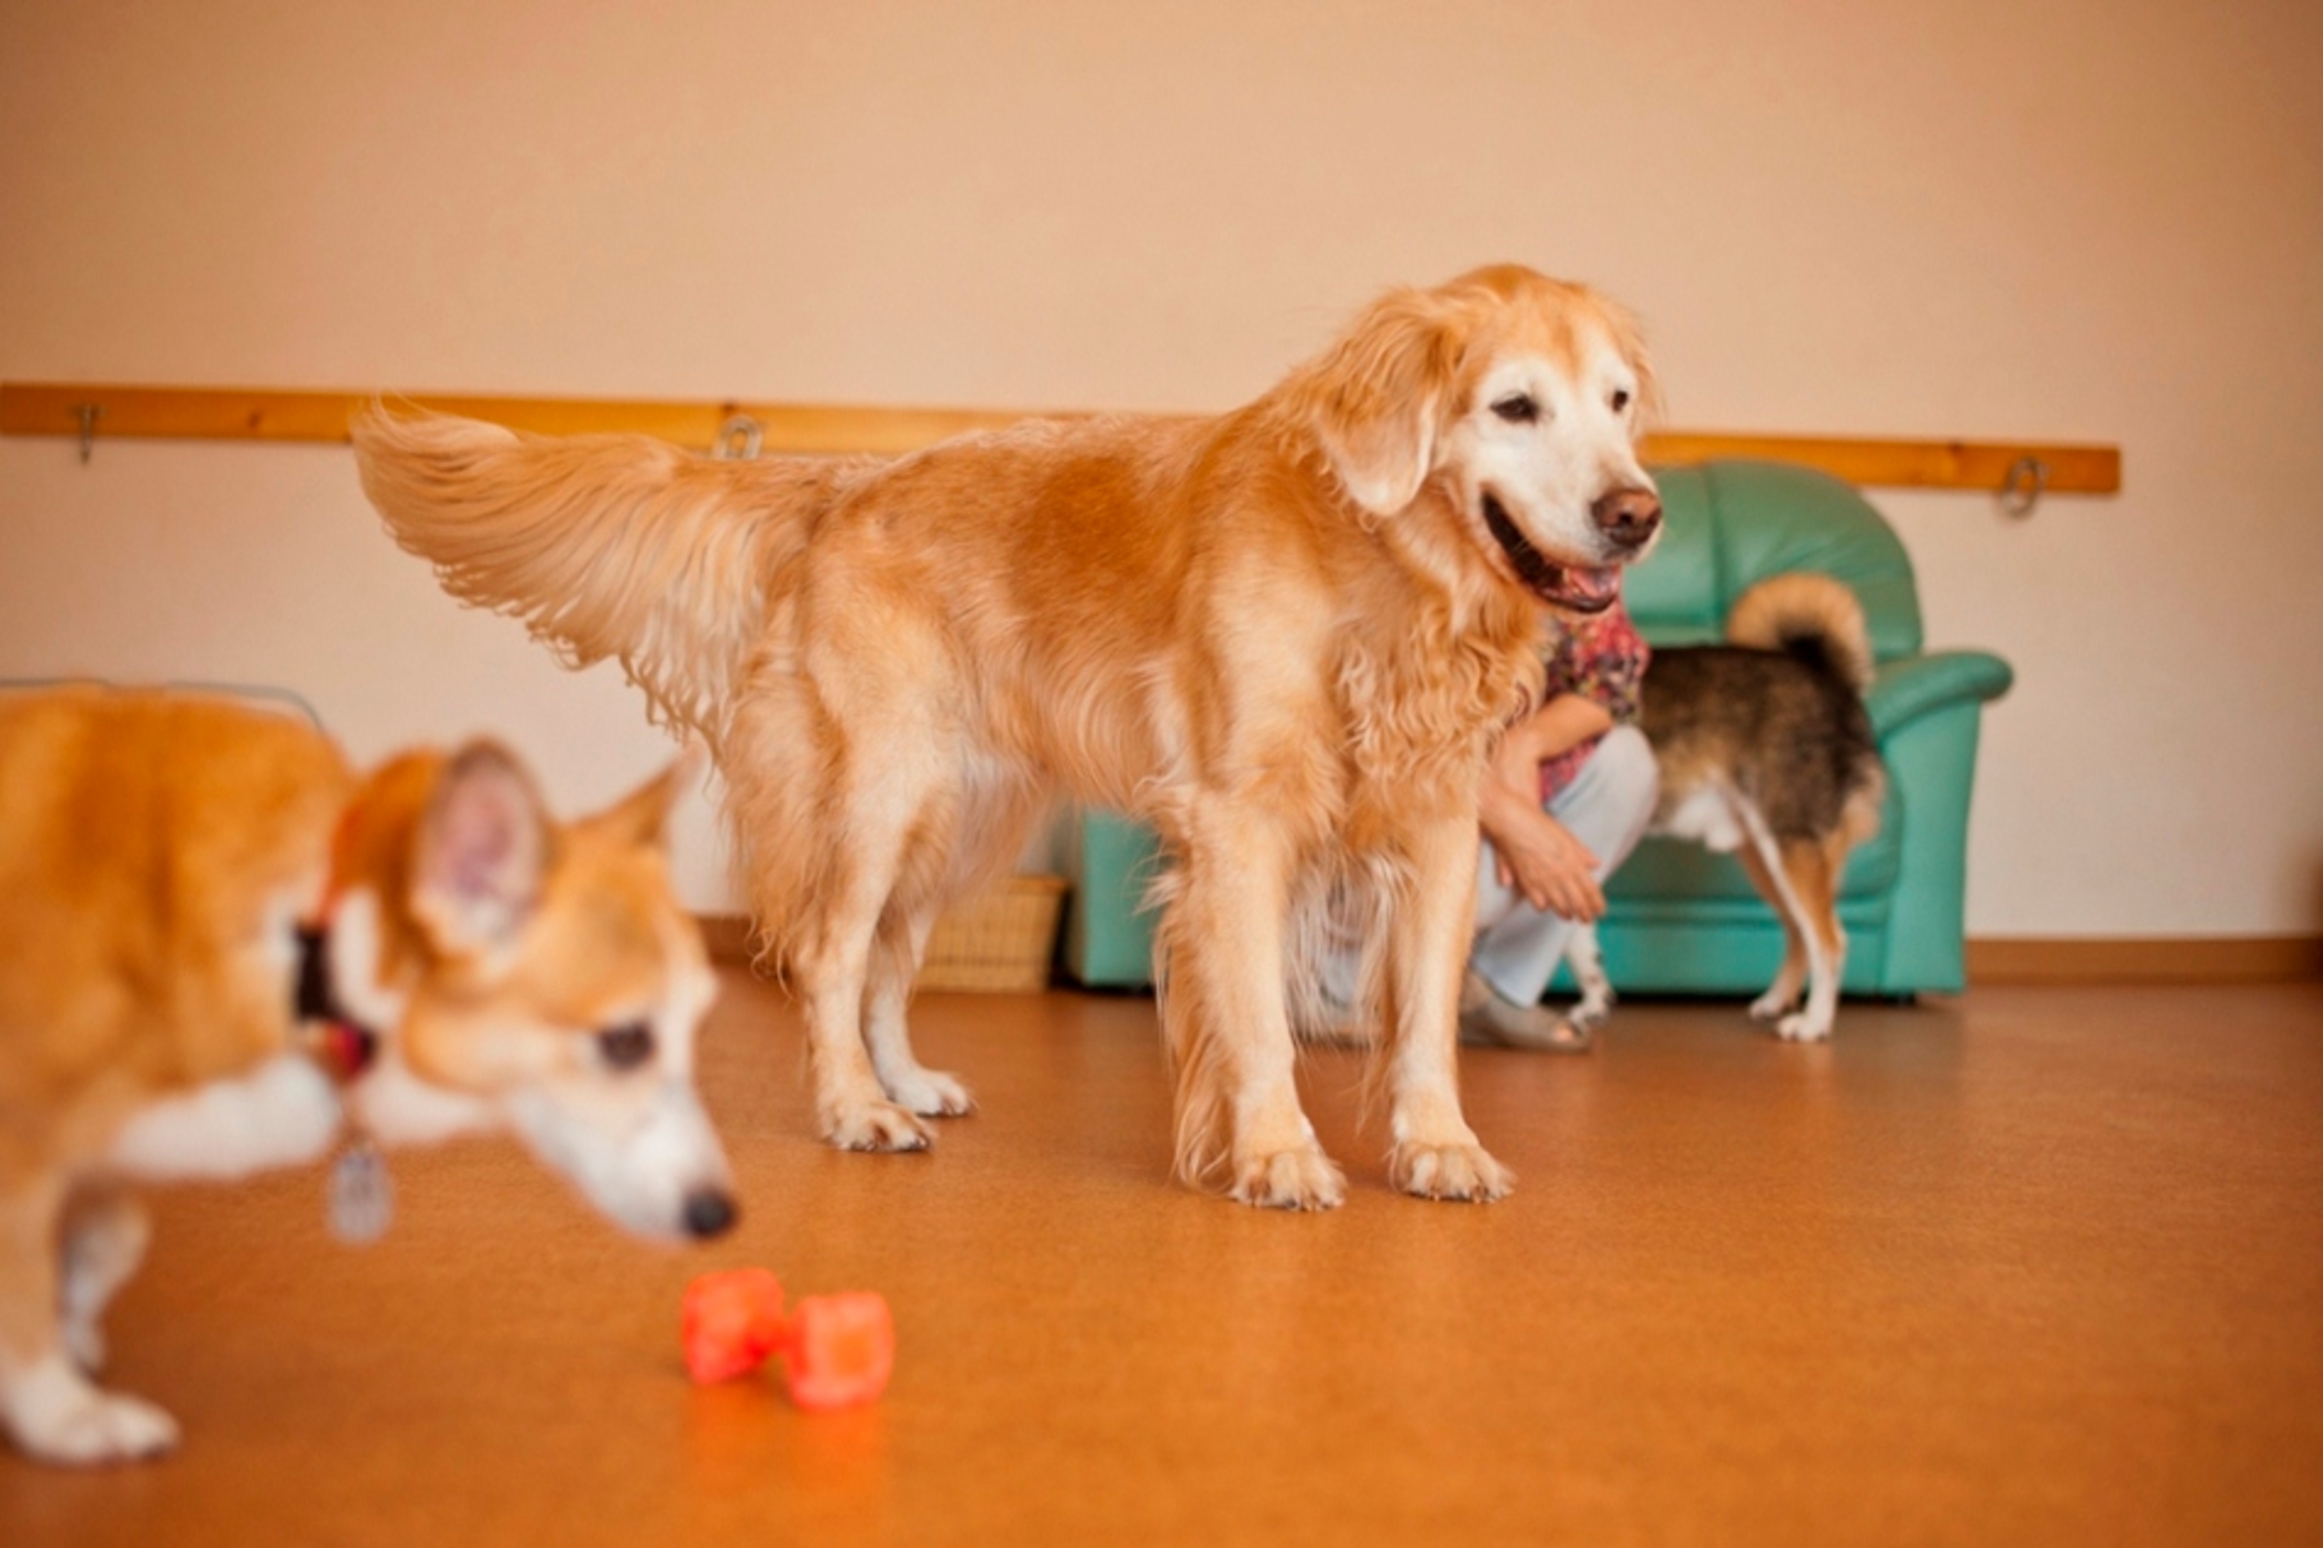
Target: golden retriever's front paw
(1449, 1172)
(875, 1126)
(1303, 1178)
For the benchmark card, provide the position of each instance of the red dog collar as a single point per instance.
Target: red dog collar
(343, 1046)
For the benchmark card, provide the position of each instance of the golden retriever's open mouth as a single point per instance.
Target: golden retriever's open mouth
(1574, 587)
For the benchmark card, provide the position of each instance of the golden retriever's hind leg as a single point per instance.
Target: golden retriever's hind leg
(850, 1103)
(831, 964)
(1435, 1154)
(961, 835)
(823, 786)
(1226, 1024)
(47, 1404)
(895, 960)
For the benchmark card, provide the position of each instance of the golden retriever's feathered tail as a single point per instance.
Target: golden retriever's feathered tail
(604, 545)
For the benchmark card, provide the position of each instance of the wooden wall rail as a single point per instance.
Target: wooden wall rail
(109, 412)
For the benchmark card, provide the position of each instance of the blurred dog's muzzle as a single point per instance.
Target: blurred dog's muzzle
(710, 1212)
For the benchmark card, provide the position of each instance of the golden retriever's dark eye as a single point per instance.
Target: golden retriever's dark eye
(1518, 409)
(1620, 399)
(626, 1047)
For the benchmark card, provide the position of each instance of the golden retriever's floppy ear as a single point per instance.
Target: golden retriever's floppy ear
(1378, 400)
(480, 851)
(642, 816)
(1622, 326)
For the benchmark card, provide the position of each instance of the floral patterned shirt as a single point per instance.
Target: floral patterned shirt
(1603, 658)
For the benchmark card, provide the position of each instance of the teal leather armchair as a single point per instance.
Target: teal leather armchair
(1681, 918)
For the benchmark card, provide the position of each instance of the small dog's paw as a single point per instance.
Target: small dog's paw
(930, 1093)
(1803, 1028)
(1463, 1172)
(876, 1126)
(1302, 1178)
(83, 1427)
(1770, 1005)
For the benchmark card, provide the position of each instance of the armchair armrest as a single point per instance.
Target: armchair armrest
(1913, 686)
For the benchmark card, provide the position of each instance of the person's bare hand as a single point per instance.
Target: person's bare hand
(1554, 871)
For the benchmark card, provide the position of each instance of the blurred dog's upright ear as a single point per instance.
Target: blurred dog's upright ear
(1378, 400)
(641, 818)
(480, 852)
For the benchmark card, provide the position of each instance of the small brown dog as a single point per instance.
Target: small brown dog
(220, 949)
(1285, 636)
(1767, 753)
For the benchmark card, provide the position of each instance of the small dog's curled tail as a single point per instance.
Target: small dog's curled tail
(1806, 613)
(604, 545)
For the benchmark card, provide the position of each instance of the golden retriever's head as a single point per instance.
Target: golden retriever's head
(1515, 398)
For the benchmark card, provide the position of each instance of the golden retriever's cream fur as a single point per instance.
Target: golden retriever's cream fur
(1284, 636)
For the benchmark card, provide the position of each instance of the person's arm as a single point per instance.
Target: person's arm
(1537, 855)
(1565, 722)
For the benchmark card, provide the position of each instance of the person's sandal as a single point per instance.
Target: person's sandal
(1488, 1021)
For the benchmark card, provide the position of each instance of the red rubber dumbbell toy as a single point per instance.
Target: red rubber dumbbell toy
(837, 1350)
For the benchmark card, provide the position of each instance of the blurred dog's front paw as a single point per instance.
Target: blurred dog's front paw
(57, 1415)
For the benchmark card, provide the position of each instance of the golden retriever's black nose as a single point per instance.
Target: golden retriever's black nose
(1629, 517)
(709, 1212)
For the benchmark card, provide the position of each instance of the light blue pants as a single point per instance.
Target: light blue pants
(1606, 806)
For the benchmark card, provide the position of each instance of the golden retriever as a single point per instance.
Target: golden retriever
(1285, 636)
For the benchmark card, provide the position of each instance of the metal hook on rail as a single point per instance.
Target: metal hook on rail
(87, 414)
(2022, 486)
(738, 439)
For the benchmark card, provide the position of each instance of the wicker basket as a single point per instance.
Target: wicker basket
(1001, 940)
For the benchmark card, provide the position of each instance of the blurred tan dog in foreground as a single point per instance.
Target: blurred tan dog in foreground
(220, 949)
(1285, 636)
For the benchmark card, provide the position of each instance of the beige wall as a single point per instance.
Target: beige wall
(2075, 220)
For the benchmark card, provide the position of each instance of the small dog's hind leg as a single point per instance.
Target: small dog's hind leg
(1763, 861)
(1813, 870)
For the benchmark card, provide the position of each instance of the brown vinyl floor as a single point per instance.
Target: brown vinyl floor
(2035, 1266)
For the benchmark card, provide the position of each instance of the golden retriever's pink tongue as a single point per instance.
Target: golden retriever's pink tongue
(1599, 586)
(1580, 588)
